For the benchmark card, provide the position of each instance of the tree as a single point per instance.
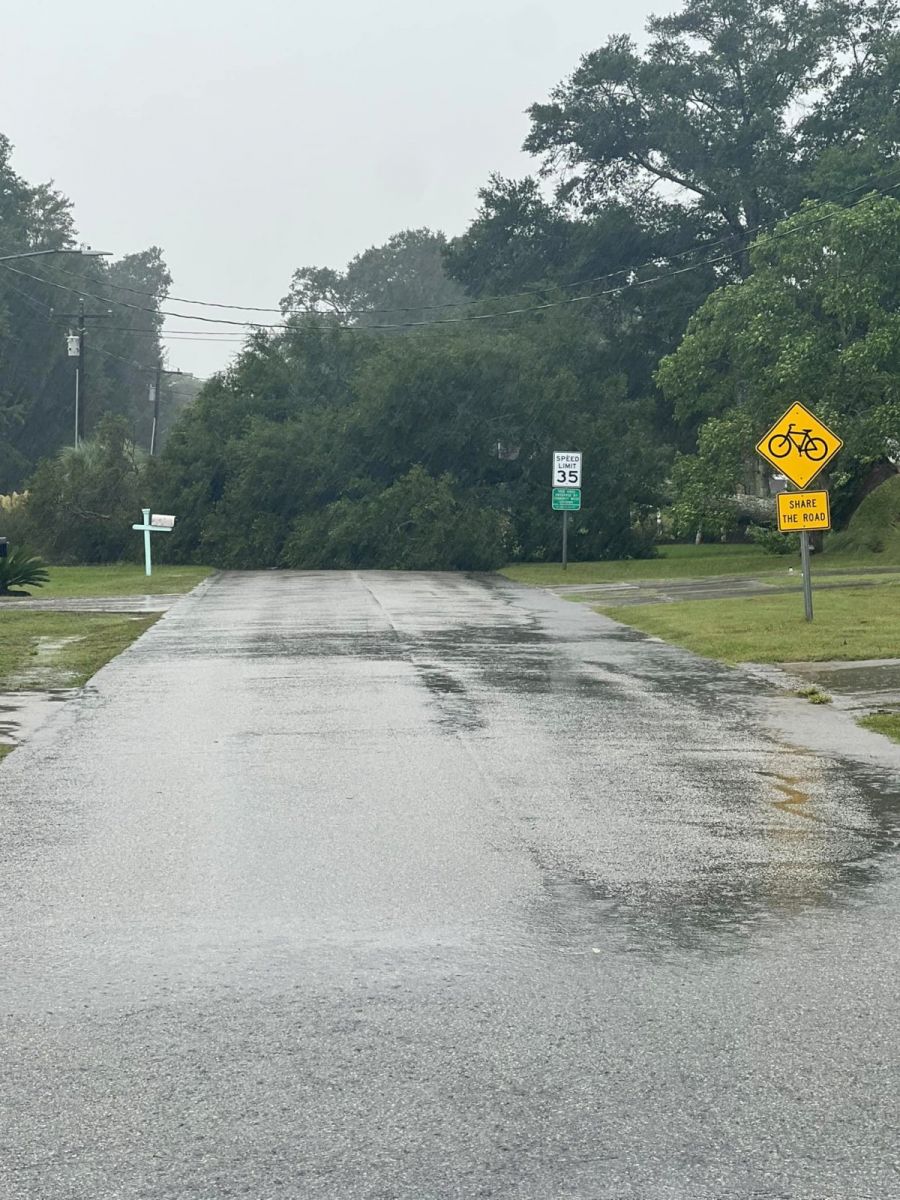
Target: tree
(315, 427)
(127, 346)
(712, 113)
(521, 240)
(852, 134)
(516, 240)
(31, 216)
(82, 503)
(30, 367)
(817, 320)
(706, 483)
(36, 374)
(402, 281)
(418, 523)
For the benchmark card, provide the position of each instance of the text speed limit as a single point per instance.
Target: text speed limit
(567, 468)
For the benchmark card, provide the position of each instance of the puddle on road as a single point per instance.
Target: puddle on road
(458, 710)
(835, 835)
(439, 682)
(796, 795)
(863, 678)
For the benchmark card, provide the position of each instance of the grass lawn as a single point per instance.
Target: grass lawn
(887, 723)
(121, 579)
(674, 562)
(850, 623)
(694, 562)
(48, 649)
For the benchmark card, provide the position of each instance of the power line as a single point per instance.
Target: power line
(156, 312)
(527, 290)
(145, 367)
(621, 289)
(469, 317)
(193, 335)
(32, 300)
(128, 361)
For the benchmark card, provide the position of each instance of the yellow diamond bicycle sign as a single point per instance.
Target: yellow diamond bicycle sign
(799, 445)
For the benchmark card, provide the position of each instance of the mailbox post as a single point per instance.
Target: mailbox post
(158, 523)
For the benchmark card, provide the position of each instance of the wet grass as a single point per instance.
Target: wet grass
(691, 562)
(674, 562)
(887, 723)
(49, 649)
(850, 623)
(120, 579)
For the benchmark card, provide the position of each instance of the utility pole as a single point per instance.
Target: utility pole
(81, 252)
(155, 426)
(79, 379)
(155, 394)
(79, 351)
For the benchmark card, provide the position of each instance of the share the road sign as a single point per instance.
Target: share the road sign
(799, 511)
(566, 499)
(799, 445)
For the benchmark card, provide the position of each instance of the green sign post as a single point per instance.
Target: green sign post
(565, 493)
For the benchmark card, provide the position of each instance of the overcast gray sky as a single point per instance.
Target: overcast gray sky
(247, 139)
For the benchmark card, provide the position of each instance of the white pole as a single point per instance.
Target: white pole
(147, 564)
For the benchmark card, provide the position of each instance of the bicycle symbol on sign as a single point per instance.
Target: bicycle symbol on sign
(780, 445)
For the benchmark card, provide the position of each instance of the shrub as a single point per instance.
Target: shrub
(772, 541)
(81, 504)
(875, 526)
(21, 569)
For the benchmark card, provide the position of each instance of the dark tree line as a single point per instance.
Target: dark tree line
(121, 299)
(709, 217)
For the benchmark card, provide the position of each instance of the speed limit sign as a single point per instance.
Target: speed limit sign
(567, 468)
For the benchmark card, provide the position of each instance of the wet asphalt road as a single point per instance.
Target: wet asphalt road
(384, 886)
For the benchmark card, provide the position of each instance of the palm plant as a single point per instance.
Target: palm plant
(21, 569)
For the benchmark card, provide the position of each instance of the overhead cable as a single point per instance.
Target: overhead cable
(527, 290)
(632, 284)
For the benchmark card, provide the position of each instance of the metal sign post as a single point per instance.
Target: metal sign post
(565, 496)
(802, 512)
(158, 523)
(807, 578)
(798, 446)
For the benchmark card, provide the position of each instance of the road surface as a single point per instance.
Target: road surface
(406, 887)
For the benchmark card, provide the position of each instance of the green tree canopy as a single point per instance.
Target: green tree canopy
(402, 281)
(36, 374)
(465, 417)
(713, 112)
(82, 503)
(817, 321)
